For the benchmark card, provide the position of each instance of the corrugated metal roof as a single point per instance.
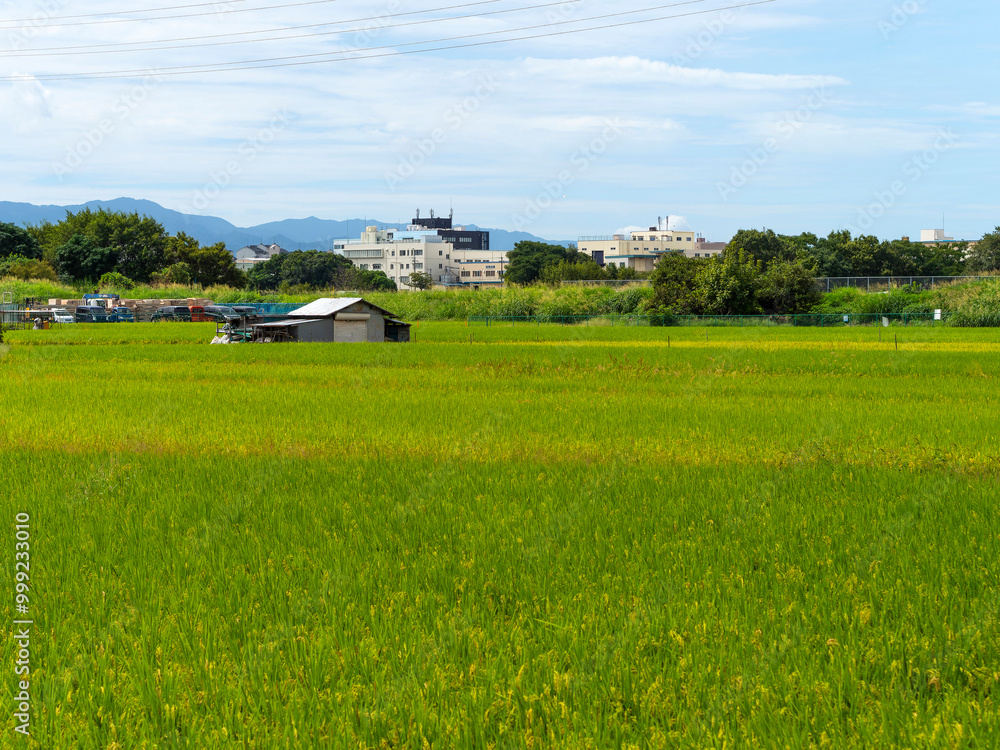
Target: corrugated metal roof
(324, 308)
(283, 323)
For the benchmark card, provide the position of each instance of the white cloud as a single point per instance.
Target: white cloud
(621, 71)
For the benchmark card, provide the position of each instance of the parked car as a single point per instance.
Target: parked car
(172, 313)
(62, 315)
(198, 314)
(245, 311)
(124, 315)
(91, 315)
(220, 313)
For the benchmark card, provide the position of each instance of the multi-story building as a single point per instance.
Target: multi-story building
(642, 249)
(249, 256)
(453, 256)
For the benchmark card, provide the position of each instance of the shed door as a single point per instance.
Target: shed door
(350, 331)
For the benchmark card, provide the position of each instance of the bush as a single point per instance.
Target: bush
(25, 269)
(115, 280)
(627, 301)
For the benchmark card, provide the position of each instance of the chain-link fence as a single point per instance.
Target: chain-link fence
(880, 283)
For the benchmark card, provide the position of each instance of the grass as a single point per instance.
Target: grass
(550, 536)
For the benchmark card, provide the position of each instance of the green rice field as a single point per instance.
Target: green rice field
(505, 537)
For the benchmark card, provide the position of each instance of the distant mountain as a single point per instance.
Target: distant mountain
(291, 234)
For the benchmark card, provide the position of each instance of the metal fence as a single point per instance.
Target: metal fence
(826, 320)
(608, 282)
(828, 284)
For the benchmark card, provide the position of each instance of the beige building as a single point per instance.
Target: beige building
(641, 249)
(398, 254)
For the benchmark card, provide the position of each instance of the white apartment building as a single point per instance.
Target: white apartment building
(398, 254)
(642, 249)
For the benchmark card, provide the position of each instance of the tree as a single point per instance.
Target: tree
(823, 256)
(943, 260)
(311, 268)
(421, 280)
(564, 270)
(527, 260)
(139, 242)
(788, 288)
(728, 285)
(865, 255)
(17, 241)
(674, 281)
(985, 256)
(80, 259)
(115, 280)
(760, 245)
(215, 265)
(19, 267)
(177, 273)
(370, 281)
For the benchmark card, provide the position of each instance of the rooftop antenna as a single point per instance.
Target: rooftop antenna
(432, 213)
(418, 213)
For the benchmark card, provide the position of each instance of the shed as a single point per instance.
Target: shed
(340, 320)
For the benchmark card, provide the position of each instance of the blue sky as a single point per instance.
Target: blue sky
(798, 115)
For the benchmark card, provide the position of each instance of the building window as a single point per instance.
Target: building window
(689, 239)
(440, 253)
(447, 257)
(477, 273)
(418, 252)
(491, 273)
(402, 253)
(391, 266)
(376, 266)
(464, 274)
(417, 266)
(364, 266)
(645, 249)
(393, 253)
(407, 266)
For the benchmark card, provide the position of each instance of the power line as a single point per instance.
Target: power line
(279, 62)
(96, 49)
(34, 22)
(261, 31)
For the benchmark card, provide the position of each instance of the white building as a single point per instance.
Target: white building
(249, 256)
(436, 250)
(934, 235)
(642, 249)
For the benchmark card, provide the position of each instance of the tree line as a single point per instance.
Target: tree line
(760, 271)
(118, 250)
